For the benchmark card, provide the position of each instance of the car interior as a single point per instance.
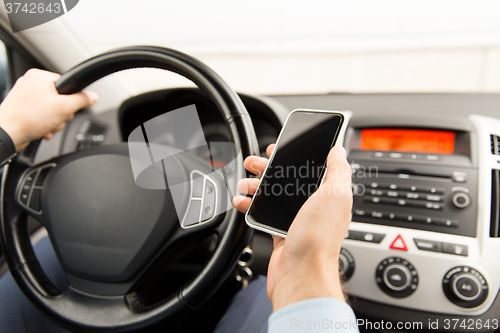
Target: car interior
(425, 227)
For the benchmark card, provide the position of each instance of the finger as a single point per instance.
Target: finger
(248, 185)
(337, 167)
(81, 100)
(256, 164)
(277, 240)
(58, 128)
(241, 203)
(338, 174)
(49, 76)
(269, 149)
(49, 136)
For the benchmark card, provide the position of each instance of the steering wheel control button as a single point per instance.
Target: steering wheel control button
(465, 287)
(193, 213)
(346, 263)
(398, 244)
(41, 176)
(35, 202)
(426, 245)
(197, 185)
(203, 202)
(30, 191)
(459, 250)
(460, 200)
(396, 277)
(208, 202)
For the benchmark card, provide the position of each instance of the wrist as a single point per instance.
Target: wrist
(308, 281)
(15, 132)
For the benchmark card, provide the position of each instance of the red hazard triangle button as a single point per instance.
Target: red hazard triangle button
(399, 244)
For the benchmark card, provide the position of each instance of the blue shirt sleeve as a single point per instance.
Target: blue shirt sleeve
(314, 315)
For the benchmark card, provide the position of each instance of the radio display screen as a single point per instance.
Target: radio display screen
(408, 140)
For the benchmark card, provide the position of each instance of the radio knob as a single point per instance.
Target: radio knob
(465, 287)
(460, 200)
(397, 277)
(346, 263)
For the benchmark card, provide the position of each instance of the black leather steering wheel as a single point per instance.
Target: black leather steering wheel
(106, 230)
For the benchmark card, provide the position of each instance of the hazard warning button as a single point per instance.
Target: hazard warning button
(399, 244)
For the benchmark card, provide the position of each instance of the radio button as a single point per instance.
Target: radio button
(377, 192)
(360, 212)
(459, 176)
(396, 155)
(393, 194)
(432, 197)
(392, 216)
(460, 200)
(418, 204)
(445, 222)
(419, 219)
(412, 195)
(410, 188)
(431, 205)
(378, 215)
(433, 158)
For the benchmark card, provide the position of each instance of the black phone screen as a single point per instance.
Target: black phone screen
(295, 171)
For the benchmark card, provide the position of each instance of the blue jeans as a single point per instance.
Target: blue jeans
(248, 312)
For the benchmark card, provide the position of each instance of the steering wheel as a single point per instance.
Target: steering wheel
(106, 230)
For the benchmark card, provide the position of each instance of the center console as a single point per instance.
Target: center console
(423, 232)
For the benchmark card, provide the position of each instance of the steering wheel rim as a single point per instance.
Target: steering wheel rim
(115, 314)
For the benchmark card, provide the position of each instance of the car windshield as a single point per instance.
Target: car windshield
(321, 46)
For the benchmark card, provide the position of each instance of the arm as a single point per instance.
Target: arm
(34, 109)
(303, 271)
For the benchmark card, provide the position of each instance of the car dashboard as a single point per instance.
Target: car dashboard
(425, 231)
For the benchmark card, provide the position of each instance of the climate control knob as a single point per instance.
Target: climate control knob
(397, 277)
(465, 287)
(346, 263)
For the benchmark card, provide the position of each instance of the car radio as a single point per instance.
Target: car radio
(414, 178)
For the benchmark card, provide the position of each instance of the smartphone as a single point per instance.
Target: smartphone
(295, 169)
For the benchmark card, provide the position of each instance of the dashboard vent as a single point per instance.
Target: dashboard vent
(495, 204)
(495, 144)
(92, 134)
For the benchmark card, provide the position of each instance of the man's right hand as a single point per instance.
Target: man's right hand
(305, 264)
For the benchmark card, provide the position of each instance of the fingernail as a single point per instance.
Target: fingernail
(93, 97)
(237, 199)
(341, 150)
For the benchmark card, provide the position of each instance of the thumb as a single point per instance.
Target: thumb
(338, 170)
(82, 100)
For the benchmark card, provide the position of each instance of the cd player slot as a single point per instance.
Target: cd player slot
(408, 174)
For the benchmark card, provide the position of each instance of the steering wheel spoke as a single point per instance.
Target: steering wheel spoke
(30, 188)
